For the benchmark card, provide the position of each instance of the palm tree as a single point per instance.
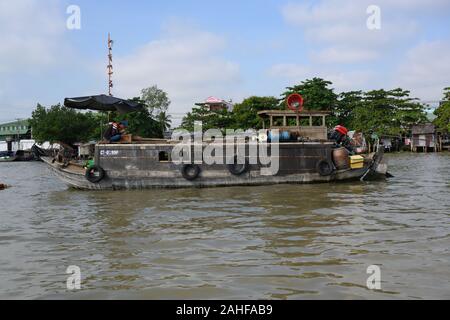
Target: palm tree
(164, 120)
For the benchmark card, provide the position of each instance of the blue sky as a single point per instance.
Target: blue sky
(230, 49)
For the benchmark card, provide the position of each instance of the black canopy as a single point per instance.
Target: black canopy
(102, 103)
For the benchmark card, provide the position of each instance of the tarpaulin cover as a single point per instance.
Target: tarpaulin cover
(102, 103)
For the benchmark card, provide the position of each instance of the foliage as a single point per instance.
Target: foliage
(443, 112)
(140, 123)
(316, 94)
(387, 112)
(245, 114)
(344, 111)
(61, 124)
(164, 120)
(155, 99)
(209, 119)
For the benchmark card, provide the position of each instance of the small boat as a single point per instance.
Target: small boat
(7, 156)
(304, 154)
(20, 155)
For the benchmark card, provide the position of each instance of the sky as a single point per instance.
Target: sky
(228, 49)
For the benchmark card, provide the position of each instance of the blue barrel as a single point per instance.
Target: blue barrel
(273, 137)
(284, 136)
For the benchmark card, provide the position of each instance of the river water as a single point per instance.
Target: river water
(271, 242)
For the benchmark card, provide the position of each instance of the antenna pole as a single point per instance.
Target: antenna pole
(110, 67)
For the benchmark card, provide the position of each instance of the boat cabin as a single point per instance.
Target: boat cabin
(310, 125)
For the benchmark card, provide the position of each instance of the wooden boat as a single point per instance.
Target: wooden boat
(20, 155)
(304, 155)
(137, 166)
(7, 156)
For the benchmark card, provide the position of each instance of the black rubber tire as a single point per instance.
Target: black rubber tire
(190, 171)
(237, 169)
(95, 174)
(325, 167)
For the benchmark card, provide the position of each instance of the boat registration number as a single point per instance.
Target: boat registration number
(109, 153)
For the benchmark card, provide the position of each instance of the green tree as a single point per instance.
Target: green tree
(316, 93)
(61, 124)
(389, 112)
(164, 120)
(344, 111)
(442, 113)
(210, 119)
(245, 114)
(155, 99)
(140, 123)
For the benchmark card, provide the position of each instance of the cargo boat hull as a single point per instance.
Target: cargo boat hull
(139, 166)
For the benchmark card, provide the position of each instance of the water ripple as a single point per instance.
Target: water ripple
(274, 242)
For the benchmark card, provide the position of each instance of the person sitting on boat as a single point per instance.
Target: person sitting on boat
(341, 138)
(117, 131)
(112, 132)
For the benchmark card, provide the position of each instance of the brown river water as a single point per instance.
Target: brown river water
(271, 242)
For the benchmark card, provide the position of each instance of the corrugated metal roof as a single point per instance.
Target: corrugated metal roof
(423, 129)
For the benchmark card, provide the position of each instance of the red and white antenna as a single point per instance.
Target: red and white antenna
(110, 67)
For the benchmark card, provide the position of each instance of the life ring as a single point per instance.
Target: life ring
(238, 169)
(324, 167)
(95, 174)
(190, 171)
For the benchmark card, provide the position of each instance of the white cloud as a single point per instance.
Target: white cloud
(426, 70)
(319, 12)
(341, 24)
(340, 54)
(30, 33)
(184, 62)
(342, 49)
(342, 80)
(290, 70)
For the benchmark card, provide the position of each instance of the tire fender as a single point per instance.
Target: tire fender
(190, 171)
(95, 174)
(238, 169)
(325, 167)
